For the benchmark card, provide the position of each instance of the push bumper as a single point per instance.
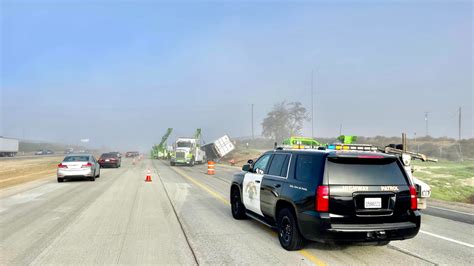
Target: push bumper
(318, 227)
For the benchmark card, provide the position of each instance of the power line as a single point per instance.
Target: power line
(460, 110)
(426, 125)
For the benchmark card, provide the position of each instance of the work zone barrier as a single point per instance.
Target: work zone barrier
(211, 168)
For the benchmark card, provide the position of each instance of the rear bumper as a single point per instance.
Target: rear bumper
(86, 172)
(318, 227)
(106, 164)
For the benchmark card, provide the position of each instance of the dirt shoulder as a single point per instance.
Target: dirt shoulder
(14, 172)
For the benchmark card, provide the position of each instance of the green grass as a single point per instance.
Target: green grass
(450, 181)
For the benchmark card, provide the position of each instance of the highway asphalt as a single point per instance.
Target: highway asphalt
(183, 217)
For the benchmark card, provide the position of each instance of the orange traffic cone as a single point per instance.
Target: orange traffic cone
(148, 176)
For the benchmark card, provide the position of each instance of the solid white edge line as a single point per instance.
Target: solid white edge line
(472, 214)
(448, 239)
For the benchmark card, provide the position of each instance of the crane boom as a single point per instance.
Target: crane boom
(165, 138)
(197, 135)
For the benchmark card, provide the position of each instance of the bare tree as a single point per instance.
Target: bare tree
(284, 120)
(297, 115)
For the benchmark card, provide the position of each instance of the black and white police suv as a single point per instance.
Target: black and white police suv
(328, 196)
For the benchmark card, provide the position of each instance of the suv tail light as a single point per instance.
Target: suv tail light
(86, 165)
(62, 165)
(322, 199)
(413, 199)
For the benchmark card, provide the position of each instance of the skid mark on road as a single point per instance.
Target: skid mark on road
(303, 252)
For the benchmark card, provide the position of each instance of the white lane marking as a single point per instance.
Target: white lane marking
(472, 214)
(448, 239)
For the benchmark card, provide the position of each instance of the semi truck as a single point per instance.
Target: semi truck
(187, 151)
(219, 148)
(8, 147)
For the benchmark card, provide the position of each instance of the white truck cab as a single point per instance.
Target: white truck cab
(187, 151)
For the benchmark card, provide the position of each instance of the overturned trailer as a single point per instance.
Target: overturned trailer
(219, 148)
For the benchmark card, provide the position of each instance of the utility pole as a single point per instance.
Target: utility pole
(417, 145)
(312, 105)
(426, 121)
(459, 142)
(460, 123)
(253, 136)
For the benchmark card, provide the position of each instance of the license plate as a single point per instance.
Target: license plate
(373, 203)
(107, 160)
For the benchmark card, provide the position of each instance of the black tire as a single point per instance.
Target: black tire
(60, 180)
(92, 178)
(192, 162)
(172, 163)
(236, 205)
(288, 231)
(383, 243)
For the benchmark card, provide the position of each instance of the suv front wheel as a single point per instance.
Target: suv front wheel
(238, 208)
(288, 232)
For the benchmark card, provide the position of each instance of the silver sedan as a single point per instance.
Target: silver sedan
(75, 166)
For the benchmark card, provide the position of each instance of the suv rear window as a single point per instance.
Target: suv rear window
(354, 171)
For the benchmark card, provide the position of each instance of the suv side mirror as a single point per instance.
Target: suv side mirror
(250, 161)
(246, 168)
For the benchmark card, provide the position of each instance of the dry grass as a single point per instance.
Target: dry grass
(18, 171)
(449, 181)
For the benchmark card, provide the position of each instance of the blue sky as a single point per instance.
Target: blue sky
(121, 73)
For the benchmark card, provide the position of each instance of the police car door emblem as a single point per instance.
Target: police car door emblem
(251, 189)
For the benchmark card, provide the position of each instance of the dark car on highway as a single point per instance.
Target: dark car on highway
(44, 152)
(110, 160)
(328, 196)
(131, 154)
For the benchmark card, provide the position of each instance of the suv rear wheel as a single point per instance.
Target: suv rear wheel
(238, 209)
(288, 232)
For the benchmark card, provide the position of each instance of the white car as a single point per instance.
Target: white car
(78, 166)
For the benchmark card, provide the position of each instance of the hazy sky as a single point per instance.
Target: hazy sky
(121, 73)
